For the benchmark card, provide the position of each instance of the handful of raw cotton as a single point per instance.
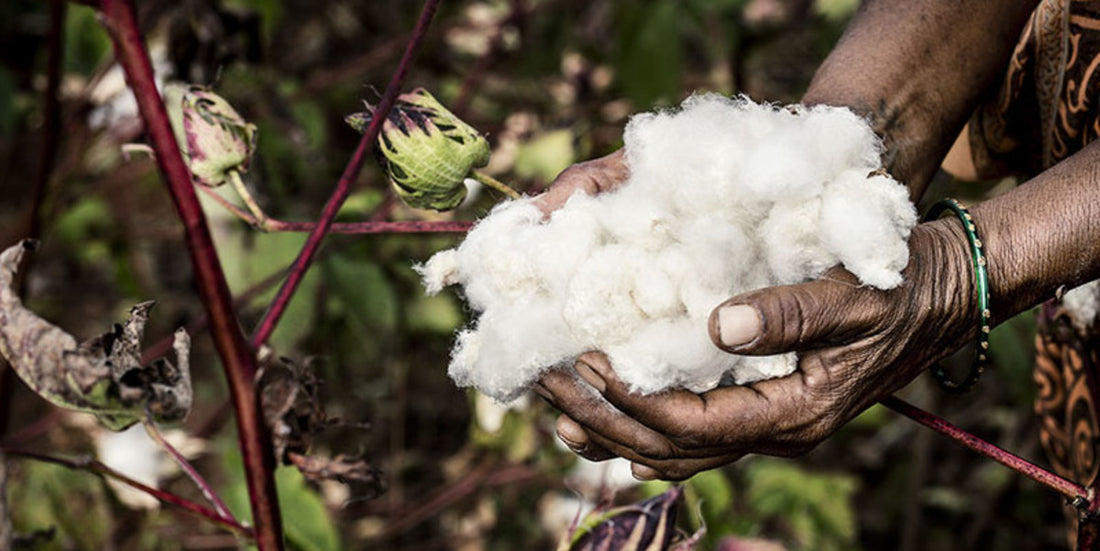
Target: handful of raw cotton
(724, 196)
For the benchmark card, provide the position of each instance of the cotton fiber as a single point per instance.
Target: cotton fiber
(724, 196)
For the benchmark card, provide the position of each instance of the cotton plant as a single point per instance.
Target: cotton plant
(724, 196)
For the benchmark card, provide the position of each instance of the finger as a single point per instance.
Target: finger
(585, 406)
(676, 468)
(591, 177)
(825, 312)
(576, 438)
(699, 423)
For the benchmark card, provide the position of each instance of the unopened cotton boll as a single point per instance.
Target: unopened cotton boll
(724, 196)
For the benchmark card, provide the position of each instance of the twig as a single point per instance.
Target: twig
(1064, 486)
(495, 184)
(381, 226)
(343, 187)
(237, 357)
(95, 467)
(189, 469)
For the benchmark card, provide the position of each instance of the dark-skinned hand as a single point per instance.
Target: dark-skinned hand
(856, 345)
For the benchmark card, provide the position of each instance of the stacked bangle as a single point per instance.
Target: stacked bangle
(981, 284)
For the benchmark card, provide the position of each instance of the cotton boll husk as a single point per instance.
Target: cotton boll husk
(866, 222)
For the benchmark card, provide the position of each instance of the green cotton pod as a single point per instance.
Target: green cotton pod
(428, 151)
(214, 138)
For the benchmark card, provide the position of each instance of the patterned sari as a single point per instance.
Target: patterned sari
(1046, 109)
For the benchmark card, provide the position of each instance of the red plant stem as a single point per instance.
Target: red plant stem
(416, 226)
(372, 226)
(238, 358)
(188, 469)
(343, 187)
(1064, 486)
(95, 467)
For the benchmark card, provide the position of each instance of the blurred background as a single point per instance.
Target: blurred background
(551, 82)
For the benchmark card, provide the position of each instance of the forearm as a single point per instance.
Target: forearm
(917, 68)
(1043, 235)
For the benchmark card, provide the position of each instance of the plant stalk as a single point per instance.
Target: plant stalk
(495, 184)
(238, 358)
(1064, 486)
(343, 188)
(97, 468)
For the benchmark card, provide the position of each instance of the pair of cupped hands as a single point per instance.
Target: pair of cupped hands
(855, 345)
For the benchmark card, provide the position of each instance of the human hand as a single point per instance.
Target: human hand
(592, 177)
(856, 345)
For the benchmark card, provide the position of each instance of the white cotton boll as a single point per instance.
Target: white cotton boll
(839, 141)
(759, 368)
(792, 245)
(866, 222)
(724, 196)
(510, 348)
(441, 270)
(1083, 305)
(781, 170)
(599, 307)
(670, 353)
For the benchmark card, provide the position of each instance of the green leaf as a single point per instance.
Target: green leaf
(816, 507)
(248, 258)
(649, 54)
(545, 156)
(362, 290)
(836, 10)
(86, 44)
(1012, 350)
(306, 521)
(438, 314)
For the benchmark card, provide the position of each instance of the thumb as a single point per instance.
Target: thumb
(821, 313)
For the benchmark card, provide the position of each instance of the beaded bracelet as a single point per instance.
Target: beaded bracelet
(981, 278)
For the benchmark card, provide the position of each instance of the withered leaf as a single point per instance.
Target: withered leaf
(103, 375)
(288, 399)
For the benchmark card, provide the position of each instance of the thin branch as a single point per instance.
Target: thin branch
(351, 172)
(95, 467)
(380, 226)
(188, 469)
(237, 357)
(1064, 486)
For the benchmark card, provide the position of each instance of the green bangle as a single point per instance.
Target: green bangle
(981, 278)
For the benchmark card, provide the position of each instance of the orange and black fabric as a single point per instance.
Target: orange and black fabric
(1046, 109)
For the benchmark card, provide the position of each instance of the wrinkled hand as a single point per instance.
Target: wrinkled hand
(592, 177)
(855, 344)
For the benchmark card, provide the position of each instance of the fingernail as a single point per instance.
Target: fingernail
(571, 433)
(641, 472)
(590, 375)
(738, 324)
